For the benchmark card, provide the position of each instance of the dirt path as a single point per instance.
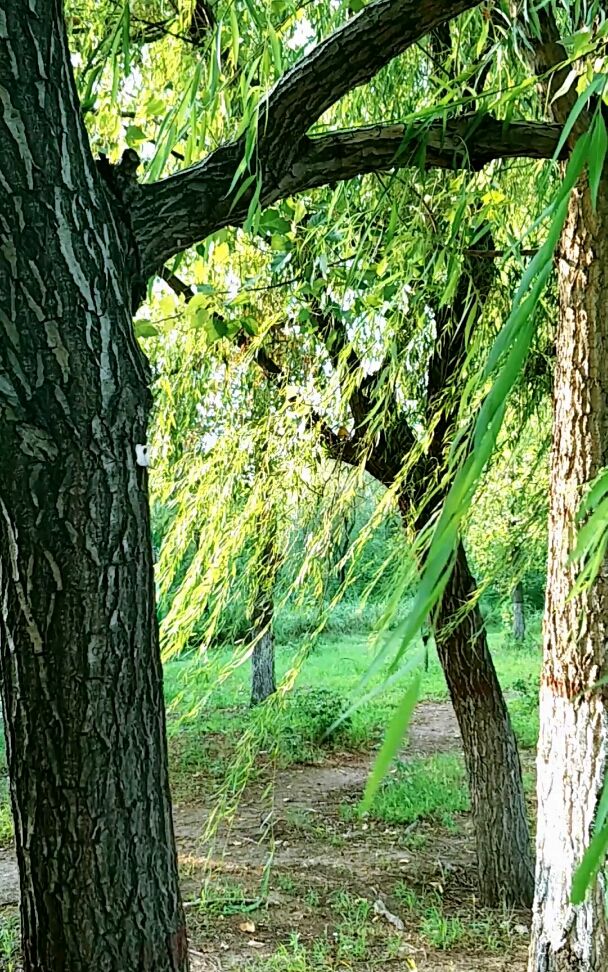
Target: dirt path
(317, 853)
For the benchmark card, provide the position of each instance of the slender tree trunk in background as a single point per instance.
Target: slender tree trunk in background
(80, 664)
(502, 834)
(263, 682)
(573, 741)
(506, 870)
(490, 748)
(519, 616)
(491, 755)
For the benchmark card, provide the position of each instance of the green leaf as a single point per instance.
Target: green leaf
(126, 39)
(154, 106)
(392, 741)
(145, 329)
(280, 243)
(565, 87)
(596, 85)
(280, 262)
(134, 136)
(602, 809)
(597, 155)
(250, 325)
(586, 872)
(234, 36)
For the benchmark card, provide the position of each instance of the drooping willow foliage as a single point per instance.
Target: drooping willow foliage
(261, 338)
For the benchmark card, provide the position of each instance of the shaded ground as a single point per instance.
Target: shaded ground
(336, 888)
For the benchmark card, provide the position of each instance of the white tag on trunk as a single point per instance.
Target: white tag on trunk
(142, 455)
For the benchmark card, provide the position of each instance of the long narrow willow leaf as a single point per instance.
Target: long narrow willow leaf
(392, 741)
(507, 361)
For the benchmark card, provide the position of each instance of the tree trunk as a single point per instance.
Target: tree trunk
(506, 870)
(490, 749)
(519, 617)
(80, 664)
(574, 721)
(263, 682)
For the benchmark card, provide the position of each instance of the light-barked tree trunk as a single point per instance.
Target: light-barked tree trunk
(573, 745)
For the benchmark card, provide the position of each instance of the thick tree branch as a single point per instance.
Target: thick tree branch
(171, 215)
(350, 57)
(467, 142)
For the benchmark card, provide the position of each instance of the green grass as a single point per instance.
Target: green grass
(9, 942)
(353, 935)
(6, 818)
(422, 789)
(473, 928)
(203, 699)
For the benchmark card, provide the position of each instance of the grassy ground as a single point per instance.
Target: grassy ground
(207, 701)
(305, 882)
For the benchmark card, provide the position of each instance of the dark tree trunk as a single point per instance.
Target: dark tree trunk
(80, 664)
(263, 683)
(490, 747)
(490, 750)
(506, 870)
(573, 744)
(519, 616)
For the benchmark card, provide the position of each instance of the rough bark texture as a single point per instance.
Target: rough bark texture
(178, 211)
(81, 673)
(263, 683)
(574, 721)
(519, 613)
(490, 750)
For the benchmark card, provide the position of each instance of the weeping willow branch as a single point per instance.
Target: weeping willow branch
(172, 214)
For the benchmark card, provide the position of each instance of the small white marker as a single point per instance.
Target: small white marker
(142, 455)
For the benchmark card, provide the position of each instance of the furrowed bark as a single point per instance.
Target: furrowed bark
(467, 142)
(498, 805)
(490, 748)
(573, 744)
(350, 57)
(80, 664)
(263, 683)
(182, 209)
(573, 741)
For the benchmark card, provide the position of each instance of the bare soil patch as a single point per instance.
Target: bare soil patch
(298, 839)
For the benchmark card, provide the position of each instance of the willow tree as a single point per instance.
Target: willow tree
(81, 675)
(571, 930)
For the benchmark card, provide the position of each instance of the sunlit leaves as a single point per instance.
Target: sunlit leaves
(592, 538)
(597, 154)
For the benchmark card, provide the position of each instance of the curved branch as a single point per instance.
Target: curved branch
(471, 141)
(350, 57)
(173, 214)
